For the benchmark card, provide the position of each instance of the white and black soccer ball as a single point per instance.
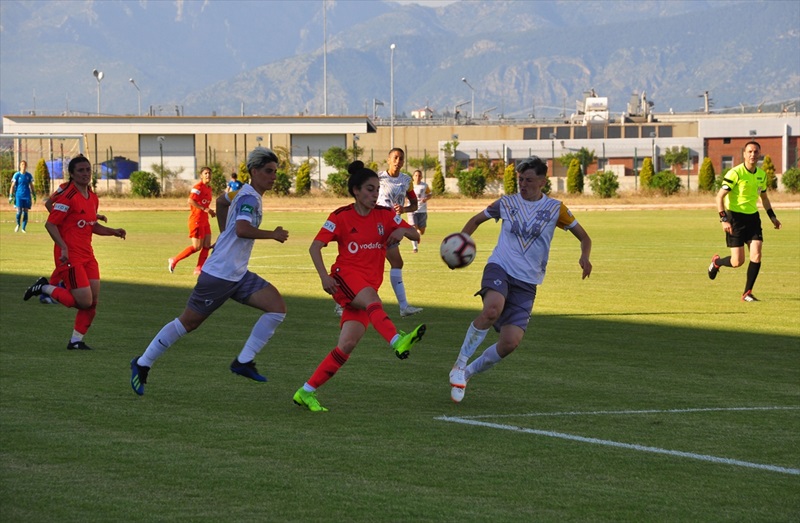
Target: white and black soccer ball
(457, 250)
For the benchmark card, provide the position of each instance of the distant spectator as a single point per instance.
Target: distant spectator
(234, 184)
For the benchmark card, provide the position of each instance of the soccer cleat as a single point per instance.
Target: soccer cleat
(171, 265)
(138, 376)
(713, 269)
(748, 296)
(403, 344)
(248, 370)
(415, 251)
(78, 345)
(308, 400)
(410, 310)
(35, 289)
(338, 310)
(16, 229)
(23, 230)
(458, 382)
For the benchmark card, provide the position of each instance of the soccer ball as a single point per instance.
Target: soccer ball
(457, 250)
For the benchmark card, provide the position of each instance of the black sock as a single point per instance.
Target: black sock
(752, 274)
(724, 262)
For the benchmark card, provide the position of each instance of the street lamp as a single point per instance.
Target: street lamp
(391, 93)
(138, 95)
(553, 152)
(99, 76)
(161, 151)
(472, 116)
(375, 104)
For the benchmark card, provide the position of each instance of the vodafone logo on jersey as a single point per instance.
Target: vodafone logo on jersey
(354, 247)
(83, 223)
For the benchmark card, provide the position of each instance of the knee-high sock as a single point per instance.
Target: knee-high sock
(380, 320)
(63, 296)
(724, 262)
(84, 318)
(188, 251)
(396, 277)
(752, 274)
(484, 362)
(24, 219)
(166, 337)
(19, 215)
(202, 259)
(329, 366)
(260, 335)
(472, 341)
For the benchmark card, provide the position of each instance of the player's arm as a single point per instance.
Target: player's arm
(586, 249)
(102, 230)
(413, 204)
(473, 223)
(33, 192)
(223, 204)
(199, 206)
(52, 230)
(768, 208)
(723, 216)
(11, 191)
(315, 251)
(244, 229)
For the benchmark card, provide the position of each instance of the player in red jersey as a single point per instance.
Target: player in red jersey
(362, 231)
(71, 224)
(199, 227)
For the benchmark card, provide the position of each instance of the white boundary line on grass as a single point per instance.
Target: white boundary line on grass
(642, 448)
(625, 412)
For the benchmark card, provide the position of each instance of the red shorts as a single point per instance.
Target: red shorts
(349, 287)
(77, 276)
(199, 230)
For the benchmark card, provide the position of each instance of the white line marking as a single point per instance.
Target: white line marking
(627, 412)
(629, 446)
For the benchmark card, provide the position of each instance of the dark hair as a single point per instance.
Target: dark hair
(234, 176)
(205, 168)
(752, 142)
(259, 157)
(535, 163)
(398, 149)
(75, 161)
(358, 176)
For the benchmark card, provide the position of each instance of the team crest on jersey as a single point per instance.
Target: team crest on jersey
(246, 208)
(380, 229)
(329, 226)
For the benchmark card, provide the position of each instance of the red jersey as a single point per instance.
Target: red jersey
(361, 240)
(75, 216)
(201, 194)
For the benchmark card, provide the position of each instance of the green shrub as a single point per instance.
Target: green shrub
(218, 183)
(769, 170)
(646, 174)
(574, 177)
(41, 178)
(244, 174)
(718, 181)
(666, 182)
(337, 183)
(5, 180)
(303, 181)
(283, 184)
(791, 180)
(604, 184)
(438, 186)
(145, 184)
(472, 183)
(705, 178)
(510, 179)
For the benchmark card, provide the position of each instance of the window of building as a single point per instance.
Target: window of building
(727, 162)
(631, 131)
(602, 163)
(597, 131)
(665, 131)
(614, 131)
(529, 133)
(562, 133)
(580, 133)
(639, 163)
(647, 129)
(545, 132)
(726, 141)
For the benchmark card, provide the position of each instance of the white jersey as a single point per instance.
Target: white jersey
(422, 191)
(523, 246)
(393, 188)
(231, 253)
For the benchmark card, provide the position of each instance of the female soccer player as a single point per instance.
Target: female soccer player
(225, 275)
(363, 232)
(514, 269)
(71, 224)
(199, 228)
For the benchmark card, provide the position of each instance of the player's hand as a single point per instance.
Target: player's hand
(102, 218)
(120, 233)
(776, 223)
(212, 213)
(586, 265)
(726, 226)
(329, 285)
(11, 199)
(280, 234)
(395, 238)
(398, 209)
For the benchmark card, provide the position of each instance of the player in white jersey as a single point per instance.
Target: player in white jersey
(225, 275)
(419, 218)
(514, 269)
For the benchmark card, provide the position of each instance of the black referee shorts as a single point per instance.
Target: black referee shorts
(744, 229)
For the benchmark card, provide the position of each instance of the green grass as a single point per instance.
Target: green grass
(648, 331)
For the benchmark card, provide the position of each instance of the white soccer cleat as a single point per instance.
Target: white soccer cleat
(410, 311)
(338, 310)
(457, 394)
(458, 382)
(171, 265)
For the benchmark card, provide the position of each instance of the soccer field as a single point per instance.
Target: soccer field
(644, 393)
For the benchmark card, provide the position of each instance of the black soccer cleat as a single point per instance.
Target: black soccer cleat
(35, 289)
(713, 269)
(78, 345)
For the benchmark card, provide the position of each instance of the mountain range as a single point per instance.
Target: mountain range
(269, 57)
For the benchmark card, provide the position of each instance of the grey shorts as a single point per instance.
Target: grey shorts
(519, 296)
(418, 219)
(211, 292)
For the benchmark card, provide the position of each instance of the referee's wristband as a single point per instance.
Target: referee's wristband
(771, 214)
(723, 217)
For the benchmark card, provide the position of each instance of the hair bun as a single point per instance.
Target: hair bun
(355, 167)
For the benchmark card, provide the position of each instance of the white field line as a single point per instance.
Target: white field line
(641, 448)
(627, 412)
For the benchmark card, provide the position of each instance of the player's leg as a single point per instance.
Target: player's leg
(197, 242)
(25, 208)
(204, 249)
(85, 315)
(753, 268)
(396, 279)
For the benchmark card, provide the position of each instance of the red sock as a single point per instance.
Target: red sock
(63, 296)
(83, 320)
(380, 320)
(328, 367)
(188, 251)
(202, 259)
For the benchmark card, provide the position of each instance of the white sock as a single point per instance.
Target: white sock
(484, 362)
(166, 337)
(414, 244)
(260, 335)
(76, 336)
(308, 388)
(472, 341)
(396, 277)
